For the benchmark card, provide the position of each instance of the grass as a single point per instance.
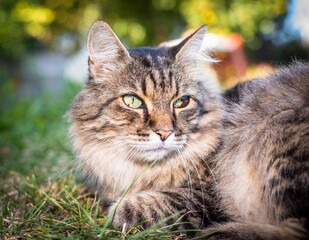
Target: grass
(40, 196)
(59, 210)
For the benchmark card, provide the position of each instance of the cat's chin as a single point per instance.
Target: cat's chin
(155, 154)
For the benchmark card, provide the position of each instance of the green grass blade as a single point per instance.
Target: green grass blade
(110, 217)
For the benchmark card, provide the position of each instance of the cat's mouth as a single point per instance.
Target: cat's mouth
(156, 149)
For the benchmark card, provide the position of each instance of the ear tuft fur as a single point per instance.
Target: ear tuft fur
(192, 48)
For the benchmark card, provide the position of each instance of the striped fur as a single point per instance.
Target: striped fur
(115, 143)
(262, 169)
(235, 164)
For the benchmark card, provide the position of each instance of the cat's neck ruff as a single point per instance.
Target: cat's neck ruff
(115, 169)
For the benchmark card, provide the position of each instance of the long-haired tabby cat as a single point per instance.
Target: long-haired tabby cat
(236, 164)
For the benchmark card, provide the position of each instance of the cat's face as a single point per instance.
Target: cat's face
(146, 103)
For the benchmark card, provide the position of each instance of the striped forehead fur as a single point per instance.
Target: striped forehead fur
(160, 63)
(107, 55)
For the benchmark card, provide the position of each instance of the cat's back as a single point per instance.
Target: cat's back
(286, 90)
(270, 113)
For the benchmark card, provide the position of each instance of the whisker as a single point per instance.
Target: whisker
(187, 171)
(199, 177)
(63, 173)
(79, 165)
(197, 153)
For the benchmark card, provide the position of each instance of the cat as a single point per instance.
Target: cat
(262, 167)
(233, 164)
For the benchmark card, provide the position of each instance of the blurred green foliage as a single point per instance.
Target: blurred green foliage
(33, 132)
(29, 24)
(249, 18)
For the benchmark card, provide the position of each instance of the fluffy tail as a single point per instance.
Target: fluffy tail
(287, 230)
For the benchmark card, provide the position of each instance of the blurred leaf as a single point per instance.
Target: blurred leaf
(33, 132)
(29, 24)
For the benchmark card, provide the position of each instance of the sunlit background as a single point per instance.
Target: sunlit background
(43, 57)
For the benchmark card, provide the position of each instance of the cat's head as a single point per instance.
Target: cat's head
(145, 103)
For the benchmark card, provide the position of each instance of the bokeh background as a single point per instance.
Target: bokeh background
(43, 58)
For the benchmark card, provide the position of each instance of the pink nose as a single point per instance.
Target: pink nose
(164, 134)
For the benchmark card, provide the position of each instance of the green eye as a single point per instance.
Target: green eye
(182, 102)
(132, 101)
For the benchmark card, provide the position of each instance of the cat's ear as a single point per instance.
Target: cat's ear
(191, 49)
(106, 52)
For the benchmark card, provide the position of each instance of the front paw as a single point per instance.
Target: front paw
(133, 210)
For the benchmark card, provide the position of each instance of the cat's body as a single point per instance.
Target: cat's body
(236, 163)
(262, 168)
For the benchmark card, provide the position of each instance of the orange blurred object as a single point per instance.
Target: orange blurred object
(233, 63)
